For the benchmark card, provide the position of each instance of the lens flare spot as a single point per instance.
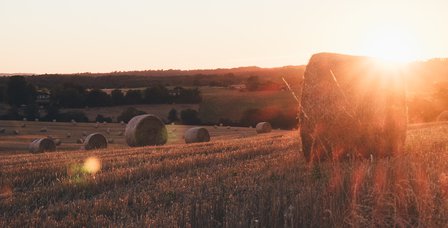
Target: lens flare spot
(92, 165)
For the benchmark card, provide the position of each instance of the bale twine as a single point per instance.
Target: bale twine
(263, 127)
(42, 145)
(442, 116)
(95, 141)
(350, 106)
(196, 134)
(146, 130)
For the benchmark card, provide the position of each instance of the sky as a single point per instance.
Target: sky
(71, 36)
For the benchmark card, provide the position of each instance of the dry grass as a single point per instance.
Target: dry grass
(260, 181)
(13, 144)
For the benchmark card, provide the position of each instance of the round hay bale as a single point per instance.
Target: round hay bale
(122, 122)
(44, 129)
(220, 124)
(16, 132)
(442, 116)
(69, 135)
(108, 131)
(95, 141)
(23, 125)
(37, 120)
(110, 140)
(42, 145)
(229, 127)
(146, 130)
(216, 127)
(120, 133)
(2, 130)
(96, 125)
(54, 120)
(196, 134)
(57, 142)
(25, 119)
(263, 127)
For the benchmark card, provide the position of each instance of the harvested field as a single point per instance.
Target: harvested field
(261, 181)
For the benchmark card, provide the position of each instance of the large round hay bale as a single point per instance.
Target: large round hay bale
(42, 145)
(351, 106)
(95, 141)
(146, 130)
(442, 116)
(263, 127)
(196, 135)
(57, 142)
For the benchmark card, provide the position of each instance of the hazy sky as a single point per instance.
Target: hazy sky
(68, 36)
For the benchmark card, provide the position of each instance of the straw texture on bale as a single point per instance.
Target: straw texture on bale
(146, 130)
(350, 106)
(42, 145)
(442, 116)
(95, 141)
(196, 135)
(263, 127)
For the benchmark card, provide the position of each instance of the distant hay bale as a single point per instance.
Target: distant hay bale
(37, 120)
(95, 141)
(54, 120)
(120, 133)
(73, 122)
(122, 122)
(44, 129)
(96, 125)
(229, 127)
(23, 125)
(84, 133)
(24, 119)
(110, 140)
(220, 124)
(350, 106)
(80, 141)
(42, 145)
(57, 142)
(2, 130)
(442, 116)
(215, 126)
(108, 131)
(263, 127)
(196, 134)
(16, 132)
(146, 130)
(68, 135)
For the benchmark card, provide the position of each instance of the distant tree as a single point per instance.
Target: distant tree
(129, 113)
(97, 98)
(157, 95)
(69, 96)
(2, 94)
(172, 116)
(133, 97)
(187, 96)
(190, 117)
(117, 97)
(52, 112)
(32, 111)
(253, 83)
(78, 116)
(20, 92)
(100, 118)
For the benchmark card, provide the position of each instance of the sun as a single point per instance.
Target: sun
(391, 45)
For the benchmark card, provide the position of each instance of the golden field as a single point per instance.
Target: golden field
(260, 181)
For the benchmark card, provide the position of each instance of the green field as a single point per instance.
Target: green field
(231, 104)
